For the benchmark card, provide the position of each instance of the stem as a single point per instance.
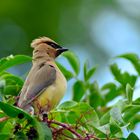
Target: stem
(66, 127)
(3, 119)
(56, 131)
(69, 128)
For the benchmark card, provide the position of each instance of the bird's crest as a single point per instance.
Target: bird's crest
(40, 40)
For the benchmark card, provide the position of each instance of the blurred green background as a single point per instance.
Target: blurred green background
(96, 30)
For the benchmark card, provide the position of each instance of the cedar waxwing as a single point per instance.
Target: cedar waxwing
(45, 84)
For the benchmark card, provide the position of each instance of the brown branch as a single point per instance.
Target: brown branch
(60, 130)
(66, 126)
(69, 128)
(3, 119)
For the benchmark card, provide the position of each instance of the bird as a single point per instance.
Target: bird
(45, 85)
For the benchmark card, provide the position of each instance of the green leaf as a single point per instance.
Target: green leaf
(121, 105)
(72, 117)
(105, 118)
(134, 121)
(44, 131)
(20, 136)
(67, 134)
(130, 110)
(78, 90)
(134, 59)
(129, 93)
(88, 113)
(101, 131)
(67, 105)
(12, 78)
(2, 83)
(115, 113)
(95, 98)
(90, 73)
(123, 78)
(137, 101)
(12, 84)
(73, 60)
(111, 91)
(68, 75)
(3, 73)
(11, 90)
(85, 69)
(114, 127)
(105, 129)
(132, 136)
(4, 136)
(13, 111)
(11, 60)
(82, 112)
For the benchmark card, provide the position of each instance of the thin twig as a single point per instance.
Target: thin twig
(3, 119)
(66, 127)
(69, 128)
(57, 131)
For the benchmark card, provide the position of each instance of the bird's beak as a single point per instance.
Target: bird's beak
(60, 50)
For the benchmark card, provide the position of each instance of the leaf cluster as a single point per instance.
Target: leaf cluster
(87, 116)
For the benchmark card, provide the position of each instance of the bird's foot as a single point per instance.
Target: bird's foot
(43, 116)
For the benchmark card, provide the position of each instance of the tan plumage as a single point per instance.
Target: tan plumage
(45, 84)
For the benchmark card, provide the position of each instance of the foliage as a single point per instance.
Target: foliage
(87, 116)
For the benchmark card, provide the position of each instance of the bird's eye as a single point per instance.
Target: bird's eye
(52, 44)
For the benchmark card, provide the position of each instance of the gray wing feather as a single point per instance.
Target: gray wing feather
(38, 80)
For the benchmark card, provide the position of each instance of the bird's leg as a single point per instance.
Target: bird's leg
(37, 106)
(38, 110)
(45, 118)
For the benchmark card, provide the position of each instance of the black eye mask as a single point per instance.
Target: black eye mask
(54, 45)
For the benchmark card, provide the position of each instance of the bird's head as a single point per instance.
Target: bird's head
(47, 46)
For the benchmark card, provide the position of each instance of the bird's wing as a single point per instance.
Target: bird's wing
(39, 78)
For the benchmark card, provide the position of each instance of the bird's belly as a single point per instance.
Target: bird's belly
(53, 94)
